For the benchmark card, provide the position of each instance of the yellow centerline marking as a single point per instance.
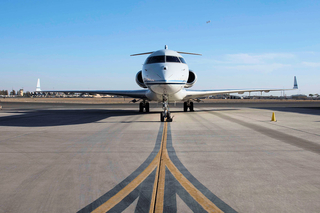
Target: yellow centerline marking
(162, 175)
(189, 187)
(161, 161)
(129, 188)
(154, 192)
(156, 180)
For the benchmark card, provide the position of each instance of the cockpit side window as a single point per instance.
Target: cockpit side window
(172, 59)
(182, 60)
(155, 59)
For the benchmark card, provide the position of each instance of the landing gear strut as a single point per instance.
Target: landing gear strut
(188, 104)
(144, 105)
(166, 113)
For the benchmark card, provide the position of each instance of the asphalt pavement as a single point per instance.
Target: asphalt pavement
(224, 157)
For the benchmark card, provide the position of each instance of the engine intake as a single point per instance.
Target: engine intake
(139, 80)
(192, 79)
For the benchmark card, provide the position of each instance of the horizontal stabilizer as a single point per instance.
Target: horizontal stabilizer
(188, 53)
(142, 54)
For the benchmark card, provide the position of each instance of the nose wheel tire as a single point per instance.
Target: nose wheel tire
(169, 118)
(162, 117)
(165, 115)
(166, 118)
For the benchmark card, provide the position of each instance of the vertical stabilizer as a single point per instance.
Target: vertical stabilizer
(38, 85)
(295, 84)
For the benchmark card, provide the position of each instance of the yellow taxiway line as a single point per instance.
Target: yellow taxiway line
(161, 161)
(128, 189)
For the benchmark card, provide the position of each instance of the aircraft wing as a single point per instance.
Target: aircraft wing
(129, 93)
(191, 94)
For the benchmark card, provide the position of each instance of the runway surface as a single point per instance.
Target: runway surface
(226, 157)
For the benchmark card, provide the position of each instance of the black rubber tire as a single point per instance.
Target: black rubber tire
(161, 117)
(185, 106)
(140, 107)
(169, 118)
(191, 107)
(147, 107)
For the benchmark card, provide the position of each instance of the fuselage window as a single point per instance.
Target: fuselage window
(155, 59)
(172, 59)
(182, 60)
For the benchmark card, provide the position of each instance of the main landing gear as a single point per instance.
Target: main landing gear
(144, 105)
(165, 115)
(188, 104)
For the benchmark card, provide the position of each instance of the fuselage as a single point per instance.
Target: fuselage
(165, 72)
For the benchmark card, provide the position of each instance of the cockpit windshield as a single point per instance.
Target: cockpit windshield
(162, 59)
(172, 59)
(155, 59)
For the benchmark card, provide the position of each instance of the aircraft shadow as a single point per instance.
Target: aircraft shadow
(45, 118)
(214, 110)
(301, 110)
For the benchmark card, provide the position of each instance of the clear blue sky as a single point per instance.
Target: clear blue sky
(86, 44)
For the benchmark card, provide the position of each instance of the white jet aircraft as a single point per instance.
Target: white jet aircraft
(165, 76)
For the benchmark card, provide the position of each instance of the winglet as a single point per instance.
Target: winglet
(38, 89)
(295, 84)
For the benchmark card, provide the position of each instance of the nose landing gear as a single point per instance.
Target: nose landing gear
(165, 115)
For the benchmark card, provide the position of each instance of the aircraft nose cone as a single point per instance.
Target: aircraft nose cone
(165, 73)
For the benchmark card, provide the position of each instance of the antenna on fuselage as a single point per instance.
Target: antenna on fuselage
(165, 47)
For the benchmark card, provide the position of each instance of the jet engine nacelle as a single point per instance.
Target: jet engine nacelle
(139, 80)
(192, 79)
